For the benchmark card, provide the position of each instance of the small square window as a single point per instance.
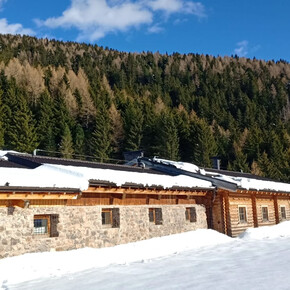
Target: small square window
(45, 225)
(242, 214)
(265, 215)
(155, 216)
(41, 225)
(190, 214)
(283, 212)
(111, 217)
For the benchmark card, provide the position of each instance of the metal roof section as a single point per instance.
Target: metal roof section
(31, 161)
(216, 172)
(173, 170)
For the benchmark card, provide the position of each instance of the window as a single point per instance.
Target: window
(46, 225)
(265, 215)
(283, 212)
(111, 217)
(242, 214)
(155, 216)
(190, 214)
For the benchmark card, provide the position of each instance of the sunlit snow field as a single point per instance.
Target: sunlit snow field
(202, 259)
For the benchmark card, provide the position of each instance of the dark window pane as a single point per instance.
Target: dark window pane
(116, 218)
(40, 226)
(192, 214)
(151, 215)
(158, 216)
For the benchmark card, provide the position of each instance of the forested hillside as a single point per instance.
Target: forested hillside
(82, 99)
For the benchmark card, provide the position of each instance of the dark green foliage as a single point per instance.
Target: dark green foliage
(21, 134)
(133, 121)
(167, 138)
(66, 144)
(234, 108)
(79, 140)
(102, 137)
(1, 122)
(203, 144)
(45, 126)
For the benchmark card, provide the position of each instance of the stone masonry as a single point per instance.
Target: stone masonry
(81, 226)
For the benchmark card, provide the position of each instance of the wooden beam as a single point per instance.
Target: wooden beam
(29, 196)
(227, 224)
(254, 209)
(275, 199)
(121, 190)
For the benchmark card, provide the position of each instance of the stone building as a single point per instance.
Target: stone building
(49, 204)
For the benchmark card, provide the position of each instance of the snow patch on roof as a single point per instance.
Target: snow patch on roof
(146, 179)
(4, 152)
(62, 176)
(180, 165)
(251, 183)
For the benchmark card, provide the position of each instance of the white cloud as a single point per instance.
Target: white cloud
(15, 28)
(96, 18)
(242, 49)
(155, 29)
(178, 6)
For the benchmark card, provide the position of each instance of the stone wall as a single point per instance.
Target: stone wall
(81, 226)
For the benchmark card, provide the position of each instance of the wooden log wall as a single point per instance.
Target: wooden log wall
(269, 203)
(235, 202)
(225, 209)
(283, 201)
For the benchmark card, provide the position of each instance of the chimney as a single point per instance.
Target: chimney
(216, 163)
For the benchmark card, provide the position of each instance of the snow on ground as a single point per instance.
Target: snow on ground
(202, 259)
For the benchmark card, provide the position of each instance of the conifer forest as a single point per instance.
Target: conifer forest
(85, 100)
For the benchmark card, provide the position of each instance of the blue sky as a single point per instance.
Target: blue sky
(250, 28)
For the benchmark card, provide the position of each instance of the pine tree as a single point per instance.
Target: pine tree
(118, 131)
(239, 162)
(133, 122)
(168, 142)
(1, 122)
(22, 132)
(268, 168)
(202, 142)
(101, 141)
(45, 125)
(66, 145)
(79, 140)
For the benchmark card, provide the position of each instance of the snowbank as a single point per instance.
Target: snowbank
(206, 253)
(267, 232)
(51, 264)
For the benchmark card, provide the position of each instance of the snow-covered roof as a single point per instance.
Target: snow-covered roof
(61, 173)
(69, 176)
(251, 182)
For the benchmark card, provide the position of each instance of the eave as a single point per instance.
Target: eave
(30, 193)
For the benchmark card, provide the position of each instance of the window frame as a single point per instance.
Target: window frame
(245, 220)
(153, 213)
(114, 214)
(262, 208)
(52, 221)
(190, 214)
(104, 211)
(281, 215)
(42, 217)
